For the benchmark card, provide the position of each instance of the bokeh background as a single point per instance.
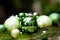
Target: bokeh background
(13, 7)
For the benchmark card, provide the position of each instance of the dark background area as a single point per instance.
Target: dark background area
(13, 7)
(10, 9)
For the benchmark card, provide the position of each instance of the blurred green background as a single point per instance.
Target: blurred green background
(13, 7)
